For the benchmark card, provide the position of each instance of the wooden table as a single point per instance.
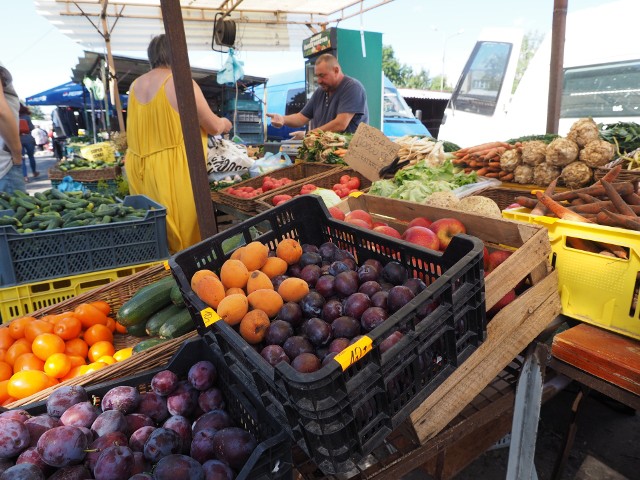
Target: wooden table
(598, 360)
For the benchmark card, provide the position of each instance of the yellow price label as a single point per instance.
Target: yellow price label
(209, 316)
(354, 352)
(165, 264)
(356, 194)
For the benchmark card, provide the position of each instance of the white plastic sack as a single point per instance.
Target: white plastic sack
(269, 163)
(225, 157)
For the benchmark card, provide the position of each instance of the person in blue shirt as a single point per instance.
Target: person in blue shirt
(339, 104)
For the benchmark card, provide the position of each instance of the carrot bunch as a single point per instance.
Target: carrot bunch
(609, 203)
(484, 159)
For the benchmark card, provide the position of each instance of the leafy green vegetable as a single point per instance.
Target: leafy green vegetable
(419, 181)
(624, 135)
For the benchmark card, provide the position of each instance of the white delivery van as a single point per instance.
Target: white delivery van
(601, 79)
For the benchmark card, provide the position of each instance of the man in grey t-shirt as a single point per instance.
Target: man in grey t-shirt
(338, 105)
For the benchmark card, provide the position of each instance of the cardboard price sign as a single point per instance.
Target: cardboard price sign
(369, 151)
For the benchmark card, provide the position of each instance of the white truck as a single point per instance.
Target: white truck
(601, 79)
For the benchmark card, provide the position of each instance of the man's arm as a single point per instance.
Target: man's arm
(294, 120)
(9, 129)
(338, 124)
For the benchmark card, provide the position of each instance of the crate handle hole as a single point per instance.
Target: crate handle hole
(633, 310)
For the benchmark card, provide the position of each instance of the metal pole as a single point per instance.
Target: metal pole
(174, 29)
(556, 67)
(112, 68)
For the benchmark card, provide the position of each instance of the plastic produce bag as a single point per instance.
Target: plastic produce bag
(68, 185)
(269, 163)
(225, 157)
(232, 70)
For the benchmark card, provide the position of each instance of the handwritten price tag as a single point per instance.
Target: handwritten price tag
(369, 151)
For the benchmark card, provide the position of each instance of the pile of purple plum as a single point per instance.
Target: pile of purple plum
(345, 301)
(177, 429)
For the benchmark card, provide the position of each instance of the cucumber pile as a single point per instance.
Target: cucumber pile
(53, 209)
(156, 310)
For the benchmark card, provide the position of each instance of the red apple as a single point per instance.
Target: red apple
(420, 222)
(361, 215)
(422, 236)
(387, 230)
(380, 224)
(446, 229)
(503, 302)
(485, 259)
(358, 222)
(496, 258)
(336, 213)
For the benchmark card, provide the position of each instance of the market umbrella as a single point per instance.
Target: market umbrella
(68, 94)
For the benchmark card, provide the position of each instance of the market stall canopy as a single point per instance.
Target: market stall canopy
(127, 69)
(70, 94)
(260, 25)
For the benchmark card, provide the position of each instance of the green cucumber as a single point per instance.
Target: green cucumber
(178, 325)
(160, 318)
(176, 296)
(145, 302)
(138, 330)
(148, 343)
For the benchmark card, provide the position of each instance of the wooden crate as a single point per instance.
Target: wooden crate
(511, 330)
(115, 294)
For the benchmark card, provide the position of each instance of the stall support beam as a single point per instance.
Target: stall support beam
(556, 72)
(174, 29)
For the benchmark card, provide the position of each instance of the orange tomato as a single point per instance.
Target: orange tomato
(74, 372)
(27, 361)
(121, 328)
(35, 328)
(77, 347)
(3, 391)
(27, 382)
(100, 349)
(46, 344)
(6, 340)
(76, 360)
(97, 333)
(90, 315)
(49, 318)
(53, 381)
(68, 328)
(111, 324)
(18, 348)
(57, 365)
(16, 327)
(103, 306)
(3, 352)
(9, 400)
(5, 371)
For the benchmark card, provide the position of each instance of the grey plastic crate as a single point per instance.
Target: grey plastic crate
(251, 117)
(43, 255)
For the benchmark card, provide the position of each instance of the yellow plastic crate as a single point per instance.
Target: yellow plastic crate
(596, 289)
(20, 300)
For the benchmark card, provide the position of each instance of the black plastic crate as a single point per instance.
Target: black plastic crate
(272, 457)
(336, 415)
(64, 252)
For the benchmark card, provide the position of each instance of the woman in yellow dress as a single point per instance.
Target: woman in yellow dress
(156, 161)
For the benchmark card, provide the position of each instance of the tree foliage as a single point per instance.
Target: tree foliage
(402, 75)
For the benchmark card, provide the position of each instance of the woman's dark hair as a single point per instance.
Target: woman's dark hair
(158, 52)
(24, 110)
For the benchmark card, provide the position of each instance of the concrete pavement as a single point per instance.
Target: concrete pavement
(44, 161)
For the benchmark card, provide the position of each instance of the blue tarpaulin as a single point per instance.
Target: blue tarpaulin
(68, 94)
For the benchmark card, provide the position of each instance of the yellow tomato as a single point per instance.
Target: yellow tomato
(27, 382)
(123, 354)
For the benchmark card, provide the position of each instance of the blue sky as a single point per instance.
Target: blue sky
(40, 57)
